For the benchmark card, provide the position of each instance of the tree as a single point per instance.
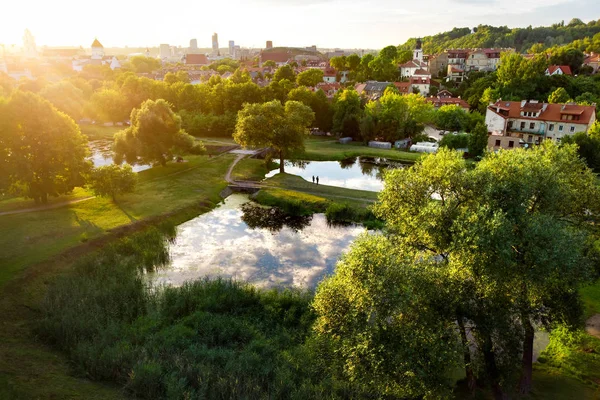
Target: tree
(309, 77)
(285, 72)
(112, 180)
(588, 145)
(42, 151)
(452, 117)
(478, 139)
(508, 235)
(347, 113)
(379, 311)
(560, 95)
(352, 61)
(154, 135)
(109, 105)
(454, 142)
(339, 63)
(567, 56)
(143, 64)
(269, 64)
(274, 125)
(66, 98)
(318, 102)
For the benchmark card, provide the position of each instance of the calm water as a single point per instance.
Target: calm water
(102, 155)
(221, 243)
(363, 173)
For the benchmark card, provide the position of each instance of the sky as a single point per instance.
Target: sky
(298, 23)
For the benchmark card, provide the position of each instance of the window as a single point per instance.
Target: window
(572, 129)
(497, 142)
(532, 125)
(522, 125)
(511, 144)
(551, 127)
(530, 139)
(510, 124)
(560, 128)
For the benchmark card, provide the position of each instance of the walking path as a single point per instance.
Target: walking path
(47, 207)
(592, 325)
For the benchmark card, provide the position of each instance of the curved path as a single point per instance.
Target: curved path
(47, 207)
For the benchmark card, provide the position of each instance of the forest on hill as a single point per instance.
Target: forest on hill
(585, 36)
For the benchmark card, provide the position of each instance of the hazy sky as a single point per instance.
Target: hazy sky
(325, 23)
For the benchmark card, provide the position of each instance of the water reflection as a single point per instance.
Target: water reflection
(102, 155)
(221, 243)
(364, 173)
(272, 219)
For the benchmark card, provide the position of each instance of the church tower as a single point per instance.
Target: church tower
(418, 52)
(29, 47)
(97, 50)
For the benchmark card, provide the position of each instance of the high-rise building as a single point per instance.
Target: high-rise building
(231, 48)
(215, 44)
(193, 44)
(29, 48)
(269, 44)
(165, 51)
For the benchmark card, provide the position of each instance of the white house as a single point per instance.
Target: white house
(558, 70)
(513, 124)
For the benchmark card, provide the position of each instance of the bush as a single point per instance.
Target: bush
(460, 141)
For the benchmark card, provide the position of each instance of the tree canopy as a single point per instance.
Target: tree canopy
(503, 247)
(42, 151)
(272, 124)
(154, 136)
(112, 180)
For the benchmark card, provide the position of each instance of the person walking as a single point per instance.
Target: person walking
(317, 180)
(313, 179)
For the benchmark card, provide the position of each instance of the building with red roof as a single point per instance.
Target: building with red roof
(439, 101)
(558, 70)
(196, 59)
(514, 124)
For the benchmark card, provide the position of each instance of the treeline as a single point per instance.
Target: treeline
(521, 39)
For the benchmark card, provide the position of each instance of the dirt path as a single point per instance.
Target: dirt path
(592, 325)
(48, 207)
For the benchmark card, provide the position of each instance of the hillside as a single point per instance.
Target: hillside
(519, 38)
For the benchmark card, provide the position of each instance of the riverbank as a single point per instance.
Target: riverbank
(329, 149)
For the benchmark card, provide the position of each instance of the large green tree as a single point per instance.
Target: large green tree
(347, 113)
(42, 151)
(309, 77)
(507, 236)
(154, 136)
(109, 105)
(282, 128)
(66, 97)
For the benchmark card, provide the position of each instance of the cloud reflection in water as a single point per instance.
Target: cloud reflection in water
(219, 243)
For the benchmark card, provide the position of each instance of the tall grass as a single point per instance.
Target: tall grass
(206, 339)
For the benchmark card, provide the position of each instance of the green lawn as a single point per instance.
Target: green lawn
(591, 299)
(251, 169)
(328, 149)
(33, 237)
(294, 182)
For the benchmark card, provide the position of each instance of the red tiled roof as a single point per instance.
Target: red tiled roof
(403, 87)
(196, 59)
(422, 71)
(592, 58)
(552, 112)
(565, 69)
(413, 64)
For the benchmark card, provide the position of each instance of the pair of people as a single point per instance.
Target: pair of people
(317, 179)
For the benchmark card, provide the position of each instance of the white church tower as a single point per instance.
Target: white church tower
(29, 47)
(418, 52)
(97, 50)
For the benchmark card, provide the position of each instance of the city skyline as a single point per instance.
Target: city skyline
(325, 23)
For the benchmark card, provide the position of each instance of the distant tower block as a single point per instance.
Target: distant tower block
(193, 44)
(231, 48)
(29, 47)
(165, 51)
(269, 44)
(215, 44)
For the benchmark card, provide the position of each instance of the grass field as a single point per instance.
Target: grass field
(32, 237)
(251, 169)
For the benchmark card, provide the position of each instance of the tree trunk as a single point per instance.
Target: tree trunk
(281, 162)
(492, 369)
(44, 198)
(527, 363)
(466, 354)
